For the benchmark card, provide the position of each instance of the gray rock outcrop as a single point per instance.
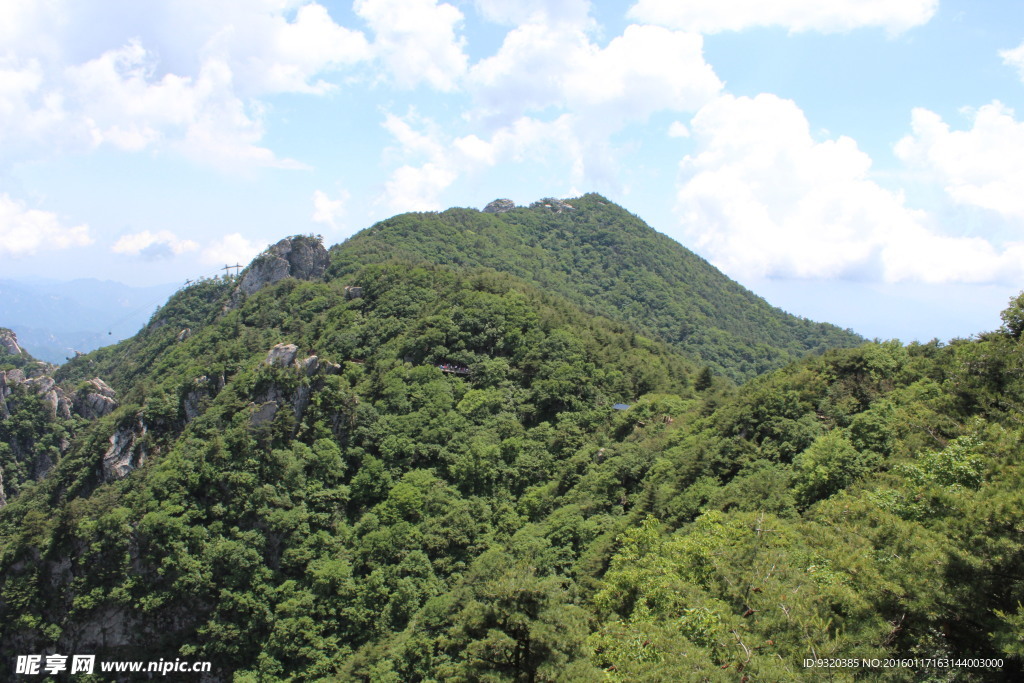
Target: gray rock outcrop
(96, 400)
(58, 402)
(9, 342)
(301, 257)
(555, 205)
(125, 453)
(263, 413)
(191, 405)
(5, 391)
(3, 494)
(282, 355)
(500, 206)
(266, 405)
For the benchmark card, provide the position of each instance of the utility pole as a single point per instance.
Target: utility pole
(237, 268)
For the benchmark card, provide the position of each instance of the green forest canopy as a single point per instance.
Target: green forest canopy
(392, 522)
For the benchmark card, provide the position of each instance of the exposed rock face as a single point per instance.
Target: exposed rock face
(5, 391)
(500, 206)
(3, 494)
(353, 292)
(266, 405)
(203, 390)
(191, 404)
(263, 413)
(125, 453)
(9, 342)
(300, 257)
(555, 205)
(96, 401)
(282, 355)
(92, 403)
(41, 385)
(58, 402)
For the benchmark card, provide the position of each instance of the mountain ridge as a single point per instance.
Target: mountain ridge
(608, 261)
(408, 470)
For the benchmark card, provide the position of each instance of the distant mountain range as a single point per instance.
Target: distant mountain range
(55, 319)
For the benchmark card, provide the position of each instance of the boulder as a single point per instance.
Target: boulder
(100, 387)
(94, 406)
(40, 385)
(500, 206)
(282, 355)
(95, 400)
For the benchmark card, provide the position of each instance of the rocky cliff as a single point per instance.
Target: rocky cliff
(302, 257)
(40, 416)
(9, 342)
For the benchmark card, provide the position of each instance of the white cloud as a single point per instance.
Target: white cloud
(152, 246)
(230, 249)
(26, 231)
(418, 188)
(186, 76)
(27, 112)
(328, 211)
(1014, 58)
(982, 167)
(534, 11)
(714, 16)
(416, 40)
(273, 55)
(17, 83)
(761, 197)
(123, 104)
(646, 69)
(678, 129)
(29, 24)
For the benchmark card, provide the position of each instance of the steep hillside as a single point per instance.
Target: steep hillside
(406, 471)
(282, 426)
(608, 262)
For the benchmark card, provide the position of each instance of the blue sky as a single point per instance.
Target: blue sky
(857, 161)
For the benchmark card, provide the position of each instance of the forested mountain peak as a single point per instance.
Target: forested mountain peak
(431, 460)
(607, 261)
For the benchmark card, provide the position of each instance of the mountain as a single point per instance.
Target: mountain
(608, 262)
(342, 467)
(58, 319)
